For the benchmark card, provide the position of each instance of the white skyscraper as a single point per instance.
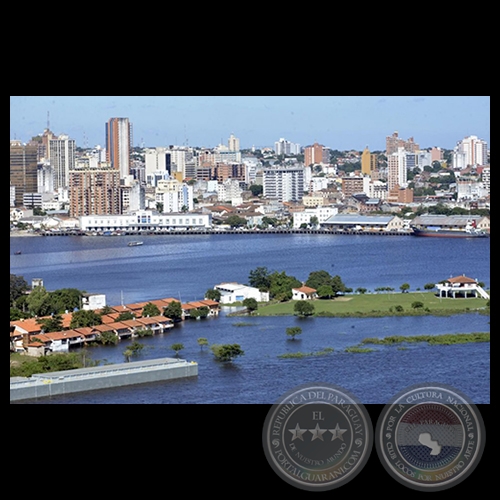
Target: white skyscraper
(397, 172)
(284, 183)
(470, 151)
(233, 143)
(62, 160)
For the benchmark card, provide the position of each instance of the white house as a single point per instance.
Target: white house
(235, 292)
(461, 286)
(304, 293)
(93, 301)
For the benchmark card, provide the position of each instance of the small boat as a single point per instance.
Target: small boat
(135, 243)
(18, 252)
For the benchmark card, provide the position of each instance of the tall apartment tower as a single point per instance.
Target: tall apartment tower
(62, 159)
(396, 169)
(470, 151)
(393, 143)
(368, 162)
(316, 154)
(119, 144)
(233, 143)
(23, 169)
(94, 192)
(284, 184)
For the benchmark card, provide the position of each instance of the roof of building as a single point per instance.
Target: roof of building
(359, 219)
(305, 289)
(445, 220)
(461, 279)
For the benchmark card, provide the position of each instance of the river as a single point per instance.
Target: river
(185, 266)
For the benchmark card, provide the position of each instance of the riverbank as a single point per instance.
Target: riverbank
(379, 305)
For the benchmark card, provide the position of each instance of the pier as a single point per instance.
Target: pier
(43, 385)
(146, 232)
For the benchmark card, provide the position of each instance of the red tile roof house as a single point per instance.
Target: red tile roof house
(304, 293)
(461, 287)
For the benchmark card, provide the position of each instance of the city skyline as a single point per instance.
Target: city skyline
(337, 122)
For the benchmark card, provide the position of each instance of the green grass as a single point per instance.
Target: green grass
(356, 349)
(299, 355)
(380, 304)
(444, 339)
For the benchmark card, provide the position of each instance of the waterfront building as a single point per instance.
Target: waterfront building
(321, 213)
(456, 222)
(175, 196)
(461, 287)
(145, 220)
(156, 161)
(119, 144)
(235, 292)
(304, 293)
(23, 169)
(62, 159)
(364, 222)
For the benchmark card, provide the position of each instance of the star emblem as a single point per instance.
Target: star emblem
(337, 433)
(297, 433)
(317, 433)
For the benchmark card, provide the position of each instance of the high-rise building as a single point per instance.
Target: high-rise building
(368, 162)
(233, 143)
(94, 192)
(470, 151)
(119, 144)
(23, 169)
(62, 159)
(393, 143)
(284, 183)
(316, 154)
(396, 169)
(284, 147)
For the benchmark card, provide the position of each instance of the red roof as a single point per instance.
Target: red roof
(461, 279)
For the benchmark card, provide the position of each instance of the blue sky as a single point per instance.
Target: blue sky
(338, 122)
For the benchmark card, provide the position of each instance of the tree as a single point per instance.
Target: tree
(18, 286)
(151, 310)
(314, 221)
(38, 301)
(260, 278)
(213, 294)
(236, 221)
(404, 287)
(51, 324)
(281, 286)
(318, 278)
(133, 349)
(108, 338)
(65, 299)
(429, 286)
(304, 308)
(202, 341)
(325, 292)
(226, 352)
(417, 304)
(177, 347)
(83, 318)
(257, 189)
(251, 305)
(361, 290)
(124, 316)
(293, 331)
(173, 311)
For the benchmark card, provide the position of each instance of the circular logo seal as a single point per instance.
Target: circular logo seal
(317, 437)
(430, 437)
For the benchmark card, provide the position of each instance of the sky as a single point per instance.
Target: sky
(337, 122)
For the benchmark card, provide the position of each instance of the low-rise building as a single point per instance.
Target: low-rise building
(235, 292)
(304, 293)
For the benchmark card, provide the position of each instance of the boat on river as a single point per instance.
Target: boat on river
(135, 243)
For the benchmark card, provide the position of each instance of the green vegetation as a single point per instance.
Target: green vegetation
(299, 355)
(303, 308)
(132, 350)
(381, 304)
(251, 305)
(213, 294)
(173, 311)
(25, 366)
(293, 331)
(177, 347)
(357, 349)
(226, 352)
(243, 323)
(445, 339)
(202, 341)
(151, 310)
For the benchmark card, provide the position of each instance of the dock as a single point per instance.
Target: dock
(49, 384)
